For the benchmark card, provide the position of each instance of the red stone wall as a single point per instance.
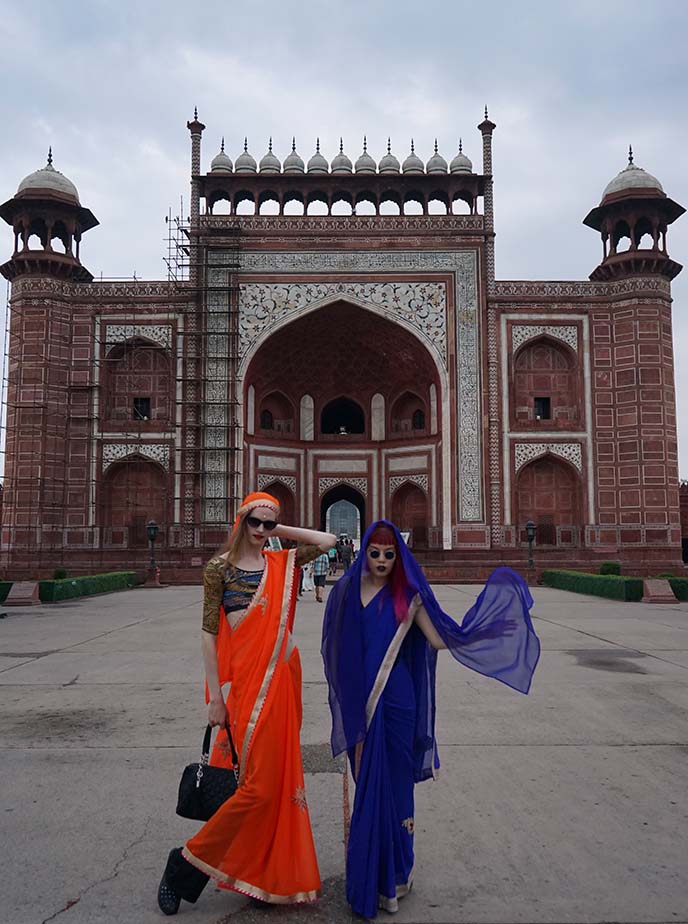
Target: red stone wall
(635, 425)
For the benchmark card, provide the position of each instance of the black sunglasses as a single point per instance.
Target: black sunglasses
(389, 554)
(254, 523)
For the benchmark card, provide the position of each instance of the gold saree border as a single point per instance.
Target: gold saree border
(274, 658)
(247, 888)
(392, 904)
(385, 669)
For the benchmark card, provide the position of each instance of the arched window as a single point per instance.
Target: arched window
(408, 413)
(342, 416)
(418, 420)
(276, 414)
(267, 421)
(546, 391)
(137, 384)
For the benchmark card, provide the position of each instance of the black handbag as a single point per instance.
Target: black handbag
(203, 789)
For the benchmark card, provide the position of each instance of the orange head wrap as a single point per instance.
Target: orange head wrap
(251, 501)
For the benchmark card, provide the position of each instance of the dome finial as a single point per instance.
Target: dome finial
(435, 145)
(341, 145)
(222, 145)
(365, 144)
(413, 150)
(460, 145)
(50, 156)
(245, 143)
(317, 145)
(630, 155)
(389, 145)
(486, 115)
(293, 143)
(196, 113)
(270, 144)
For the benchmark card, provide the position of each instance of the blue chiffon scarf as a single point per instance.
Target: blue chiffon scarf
(496, 638)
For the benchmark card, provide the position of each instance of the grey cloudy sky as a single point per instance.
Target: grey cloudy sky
(111, 85)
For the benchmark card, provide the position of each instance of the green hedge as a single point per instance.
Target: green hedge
(4, 590)
(612, 586)
(679, 587)
(610, 567)
(54, 591)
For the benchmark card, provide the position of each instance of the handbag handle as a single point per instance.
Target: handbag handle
(205, 754)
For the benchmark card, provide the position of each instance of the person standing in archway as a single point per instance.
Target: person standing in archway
(321, 566)
(383, 627)
(259, 842)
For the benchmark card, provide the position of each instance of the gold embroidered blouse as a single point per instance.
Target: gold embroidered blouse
(218, 577)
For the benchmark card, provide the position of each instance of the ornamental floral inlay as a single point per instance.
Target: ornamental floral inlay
(396, 481)
(522, 333)
(289, 481)
(421, 304)
(324, 484)
(526, 452)
(120, 333)
(115, 452)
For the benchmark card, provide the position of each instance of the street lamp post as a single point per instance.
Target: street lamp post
(531, 530)
(153, 579)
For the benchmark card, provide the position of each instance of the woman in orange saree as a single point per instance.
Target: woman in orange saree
(259, 842)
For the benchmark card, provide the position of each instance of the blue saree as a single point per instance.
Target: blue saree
(381, 678)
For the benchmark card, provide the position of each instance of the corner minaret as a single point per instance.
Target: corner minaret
(634, 206)
(46, 209)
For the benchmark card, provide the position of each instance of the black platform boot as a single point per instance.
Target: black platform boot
(180, 881)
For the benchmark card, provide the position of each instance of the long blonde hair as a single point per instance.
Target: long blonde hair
(232, 547)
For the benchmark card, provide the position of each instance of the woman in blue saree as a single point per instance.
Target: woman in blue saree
(383, 627)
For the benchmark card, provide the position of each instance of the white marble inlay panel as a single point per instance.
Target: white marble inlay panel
(288, 481)
(397, 480)
(277, 463)
(342, 465)
(408, 463)
(324, 484)
(114, 452)
(120, 333)
(526, 452)
(522, 333)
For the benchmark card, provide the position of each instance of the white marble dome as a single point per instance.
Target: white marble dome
(245, 163)
(389, 163)
(413, 163)
(437, 163)
(365, 163)
(269, 163)
(632, 177)
(221, 163)
(341, 163)
(461, 163)
(292, 162)
(317, 163)
(51, 179)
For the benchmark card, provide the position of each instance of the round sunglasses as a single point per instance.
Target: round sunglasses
(389, 554)
(255, 522)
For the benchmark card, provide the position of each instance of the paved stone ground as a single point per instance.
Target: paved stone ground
(568, 805)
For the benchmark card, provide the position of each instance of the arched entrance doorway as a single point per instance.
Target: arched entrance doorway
(332, 498)
(134, 492)
(410, 513)
(548, 493)
(286, 501)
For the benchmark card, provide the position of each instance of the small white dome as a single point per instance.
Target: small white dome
(389, 163)
(341, 163)
(221, 163)
(245, 162)
(413, 163)
(630, 178)
(269, 163)
(461, 163)
(49, 178)
(292, 162)
(365, 163)
(317, 163)
(437, 163)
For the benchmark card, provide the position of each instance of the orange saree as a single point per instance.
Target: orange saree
(260, 841)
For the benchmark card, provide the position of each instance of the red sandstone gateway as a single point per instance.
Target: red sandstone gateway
(333, 333)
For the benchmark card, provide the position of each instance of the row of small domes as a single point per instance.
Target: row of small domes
(317, 164)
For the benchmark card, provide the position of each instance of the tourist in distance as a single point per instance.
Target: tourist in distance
(321, 566)
(259, 842)
(382, 616)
